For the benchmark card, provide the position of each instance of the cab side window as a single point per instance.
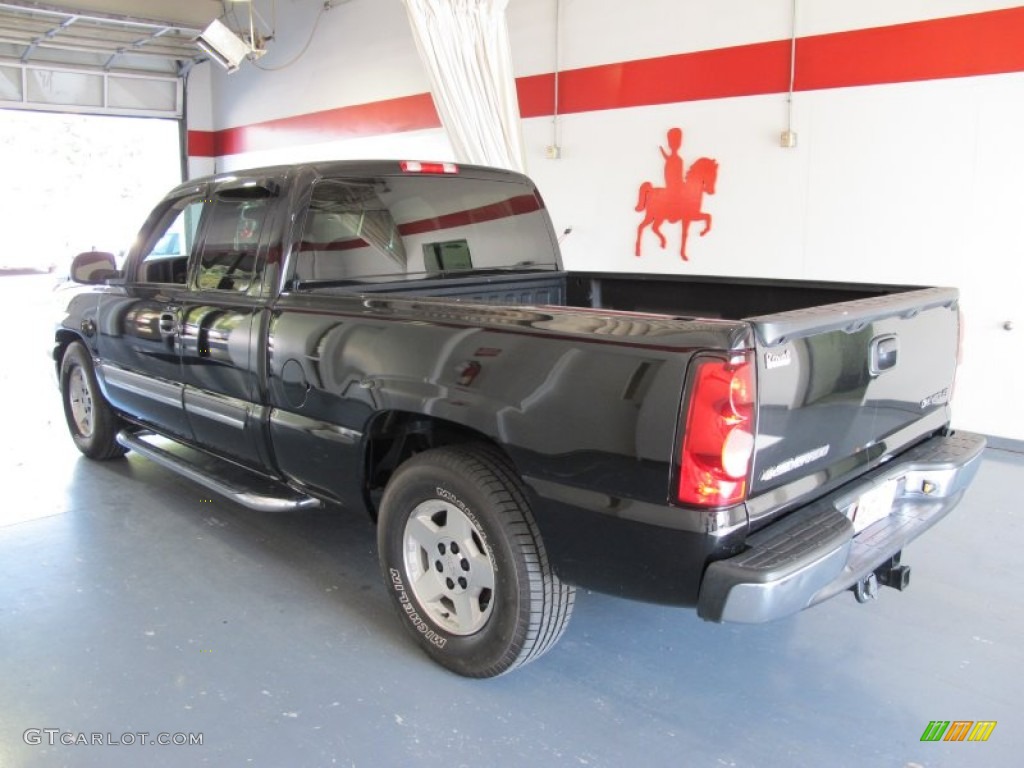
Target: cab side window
(229, 259)
(166, 254)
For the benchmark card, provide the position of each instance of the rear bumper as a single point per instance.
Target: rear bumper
(814, 553)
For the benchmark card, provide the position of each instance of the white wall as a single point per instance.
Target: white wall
(912, 182)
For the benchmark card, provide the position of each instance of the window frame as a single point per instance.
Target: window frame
(154, 233)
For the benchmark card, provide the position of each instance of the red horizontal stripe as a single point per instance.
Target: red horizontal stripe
(744, 70)
(961, 46)
(202, 144)
(514, 206)
(407, 113)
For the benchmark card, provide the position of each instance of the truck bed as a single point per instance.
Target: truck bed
(816, 348)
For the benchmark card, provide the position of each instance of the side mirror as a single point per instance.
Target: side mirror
(93, 267)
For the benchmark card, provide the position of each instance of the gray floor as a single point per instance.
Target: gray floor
(130, 602)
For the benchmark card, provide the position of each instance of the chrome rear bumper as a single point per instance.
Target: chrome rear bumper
(814, 553)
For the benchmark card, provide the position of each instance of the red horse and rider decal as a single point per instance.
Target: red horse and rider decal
(681, 198)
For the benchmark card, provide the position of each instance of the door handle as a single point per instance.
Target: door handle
(168, 323)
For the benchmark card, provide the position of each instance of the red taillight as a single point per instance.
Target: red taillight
(718, 437)
(414, 166)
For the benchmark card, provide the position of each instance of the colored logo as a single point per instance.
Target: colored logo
(682, 197)
(958, 730)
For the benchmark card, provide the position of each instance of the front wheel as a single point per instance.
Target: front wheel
(464, 562)
(92, 423)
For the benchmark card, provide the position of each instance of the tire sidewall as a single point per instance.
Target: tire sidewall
(76, 356)
(493, 646)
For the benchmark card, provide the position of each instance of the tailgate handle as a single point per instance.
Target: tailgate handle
(884, 354)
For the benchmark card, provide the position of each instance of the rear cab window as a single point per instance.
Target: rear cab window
(408, 227)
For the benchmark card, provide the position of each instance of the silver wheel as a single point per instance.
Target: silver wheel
(448, 566)
(80, 397)
(464, 562)
(91, 421)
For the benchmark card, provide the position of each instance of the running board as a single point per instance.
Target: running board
(232, 488)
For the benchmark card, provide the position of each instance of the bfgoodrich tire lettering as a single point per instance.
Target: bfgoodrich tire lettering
(92, 423)
(464, 562)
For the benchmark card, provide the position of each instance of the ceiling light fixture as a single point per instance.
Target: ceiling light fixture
(229, 48)
(223, 46)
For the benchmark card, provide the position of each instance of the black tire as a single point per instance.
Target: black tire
(497, 603)
(91, 421)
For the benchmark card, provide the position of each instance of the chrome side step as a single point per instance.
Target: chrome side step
(232, 488)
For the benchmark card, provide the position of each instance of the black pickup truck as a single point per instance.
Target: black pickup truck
(403, 338)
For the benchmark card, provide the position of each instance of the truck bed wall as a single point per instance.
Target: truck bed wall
(711, 297)
(676, 295)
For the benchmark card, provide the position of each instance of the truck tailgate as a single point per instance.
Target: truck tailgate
(843, 387)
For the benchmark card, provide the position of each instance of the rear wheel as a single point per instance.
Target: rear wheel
(465, 564)
(92, 423)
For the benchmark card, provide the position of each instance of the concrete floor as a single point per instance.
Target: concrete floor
(130, 603)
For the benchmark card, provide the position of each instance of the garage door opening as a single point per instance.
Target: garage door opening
(79, 182)
(71, 183)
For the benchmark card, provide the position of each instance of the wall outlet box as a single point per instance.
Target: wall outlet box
(787, 139)
(552, 152)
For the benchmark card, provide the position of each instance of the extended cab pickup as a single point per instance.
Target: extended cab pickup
(403, 338)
